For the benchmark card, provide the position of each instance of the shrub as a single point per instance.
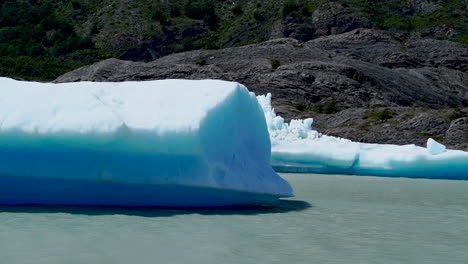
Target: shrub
(157, 14)
(174, 11)
(187, 44)
(366, 125)
(275, 64)
(457, 113)
(76, 4)
(201, 62)
(330, 107)
(319, 109)
(20, 13)
(36, 44)
(259, 16)
(357, 76)
(160, 16)
(199, 10)
(28, 68)
(94, 30)
(237, 10)
(47, 23)
(306, 12)
(208, 40)
(36, 51)
(300, 106)
(463, 39)
(212, 21)
(387, 65)
(289, 7)
(381, 115)
(385, 114)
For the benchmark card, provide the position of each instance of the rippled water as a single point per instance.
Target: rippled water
(333, 219)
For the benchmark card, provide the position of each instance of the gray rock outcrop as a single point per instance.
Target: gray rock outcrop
(344, 81)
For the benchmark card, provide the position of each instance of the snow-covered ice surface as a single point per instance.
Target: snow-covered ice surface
(298, 148)
(154, 143)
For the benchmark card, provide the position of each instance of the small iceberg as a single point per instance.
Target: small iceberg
(434, 147)
(156, 143)
(298, 148)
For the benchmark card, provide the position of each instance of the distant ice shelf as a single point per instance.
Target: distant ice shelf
(156, 143)
(296, 147)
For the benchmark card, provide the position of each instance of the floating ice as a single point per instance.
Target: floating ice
(434, 147)
(158, 143)
(298, 148)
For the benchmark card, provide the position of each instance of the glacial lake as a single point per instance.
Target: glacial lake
(332, 219)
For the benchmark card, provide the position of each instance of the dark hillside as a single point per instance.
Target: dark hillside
(42, 39)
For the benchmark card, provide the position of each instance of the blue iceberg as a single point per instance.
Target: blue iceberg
(157, 143)
(296, 147)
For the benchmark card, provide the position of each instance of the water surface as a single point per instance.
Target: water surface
(333, 219)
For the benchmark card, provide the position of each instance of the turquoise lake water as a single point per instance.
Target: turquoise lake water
(333, 219)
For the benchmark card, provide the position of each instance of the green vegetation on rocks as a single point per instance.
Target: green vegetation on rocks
(330, 107)
(35, 43)
(458, 113)
(300, 106)
(58, 35)
(382, 115)
(275, 64)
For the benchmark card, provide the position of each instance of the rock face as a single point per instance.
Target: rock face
(366, 85)
(457, 133)
(334, 18)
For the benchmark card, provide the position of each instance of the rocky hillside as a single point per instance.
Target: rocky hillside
(390, 71)
(366, 84)
(42, 39)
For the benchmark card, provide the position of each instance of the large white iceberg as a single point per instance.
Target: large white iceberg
(163, 143)
(298, 148)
